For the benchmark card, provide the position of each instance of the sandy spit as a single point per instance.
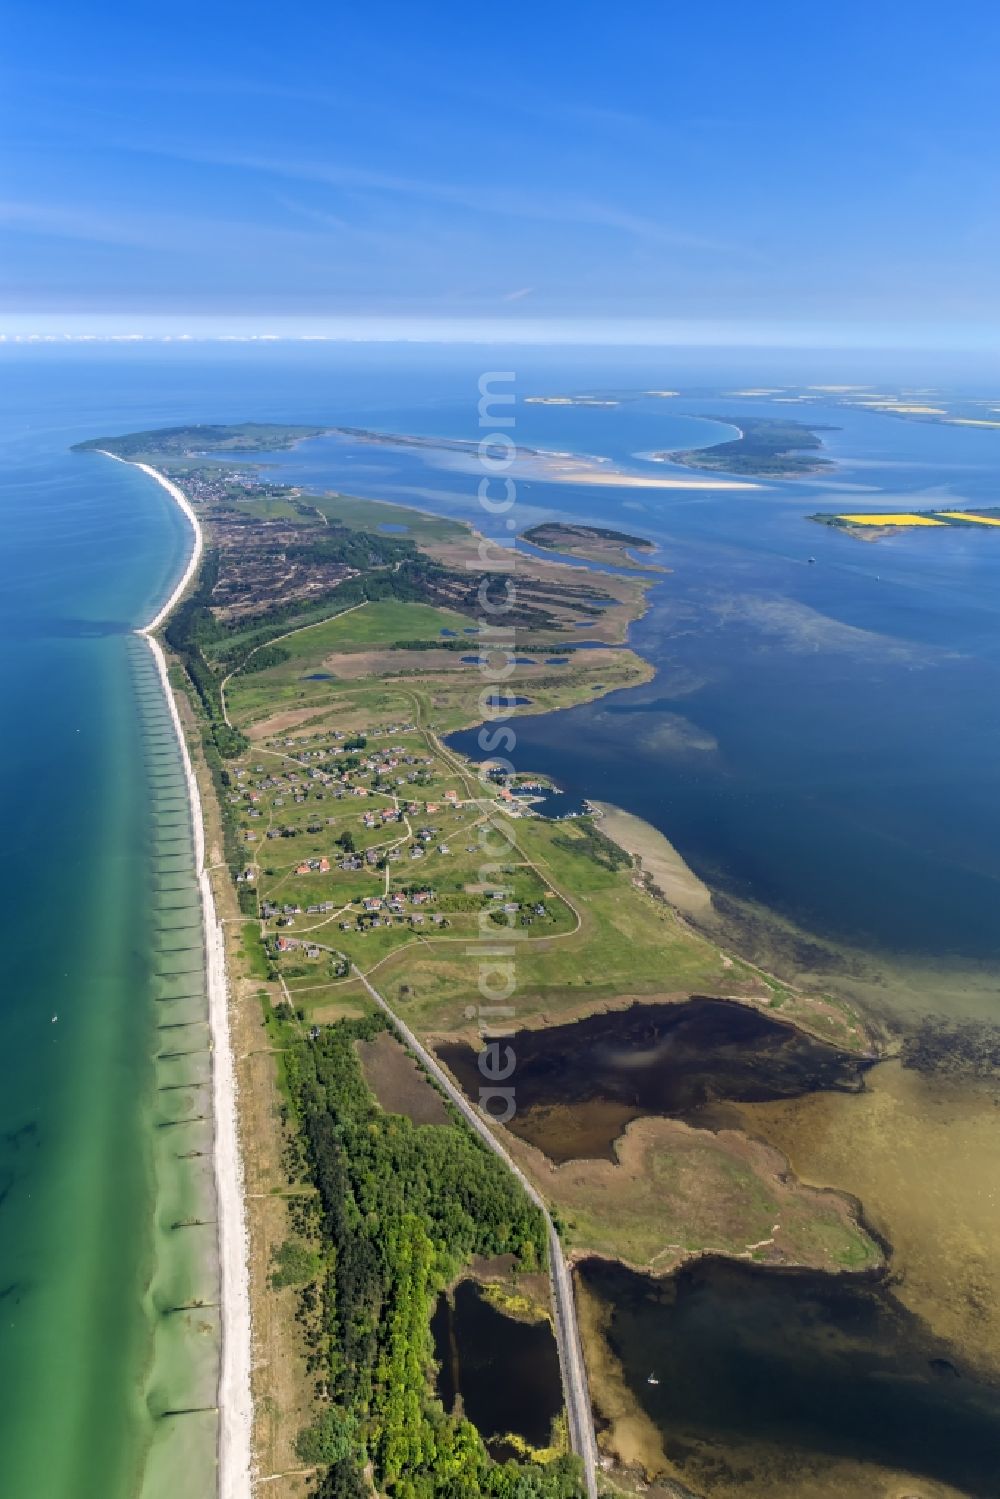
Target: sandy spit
(643, 481)
(657, 857)
(235, 1402)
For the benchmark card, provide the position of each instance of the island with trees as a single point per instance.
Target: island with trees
(766, 448)
(599, 544)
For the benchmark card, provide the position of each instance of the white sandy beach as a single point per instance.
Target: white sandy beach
(235, 1403)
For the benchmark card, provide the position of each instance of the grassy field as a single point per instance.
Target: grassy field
(624, 944)
(368, 515)
(676, 1191)
(378, 623)
(360, 647)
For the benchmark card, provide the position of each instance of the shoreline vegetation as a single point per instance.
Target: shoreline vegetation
(353, 675)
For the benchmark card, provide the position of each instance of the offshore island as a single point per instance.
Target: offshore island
(765, 448)
(324, 650)
(875, 525)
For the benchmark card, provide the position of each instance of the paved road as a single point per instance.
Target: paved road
(574, 1374)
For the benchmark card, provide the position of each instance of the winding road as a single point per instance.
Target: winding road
(574, 1374)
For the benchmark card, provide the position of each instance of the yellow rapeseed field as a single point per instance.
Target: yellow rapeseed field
(980, 520)
(896, 519)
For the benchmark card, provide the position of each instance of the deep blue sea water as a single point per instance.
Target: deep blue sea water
(819, 737)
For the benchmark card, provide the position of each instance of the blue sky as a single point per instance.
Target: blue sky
(728, 167)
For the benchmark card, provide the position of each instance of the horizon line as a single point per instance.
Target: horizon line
(20, 328)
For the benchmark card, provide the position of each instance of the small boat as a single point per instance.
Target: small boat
(652, 1379)
(812, 561)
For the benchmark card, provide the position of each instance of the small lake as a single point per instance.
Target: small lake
(504, 1372)
(499, 702)
(579, 1085)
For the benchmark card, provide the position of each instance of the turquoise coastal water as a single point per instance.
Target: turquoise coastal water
(88, 1252)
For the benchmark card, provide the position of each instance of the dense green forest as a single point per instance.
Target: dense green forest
(400, 1209)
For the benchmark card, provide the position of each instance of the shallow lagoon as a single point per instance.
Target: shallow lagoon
(795, 1384)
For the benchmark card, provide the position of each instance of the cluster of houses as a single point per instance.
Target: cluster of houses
(335, 765)
(332, 781)
(379, 910)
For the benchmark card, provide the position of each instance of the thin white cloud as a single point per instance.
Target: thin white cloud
(494, 199)
(145, 231)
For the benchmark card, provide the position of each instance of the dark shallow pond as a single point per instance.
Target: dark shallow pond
(499, 702)
(766, 1375)
(506, 1372)
(578, 1085)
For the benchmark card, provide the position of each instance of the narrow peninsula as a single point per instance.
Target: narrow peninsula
(323, 652)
